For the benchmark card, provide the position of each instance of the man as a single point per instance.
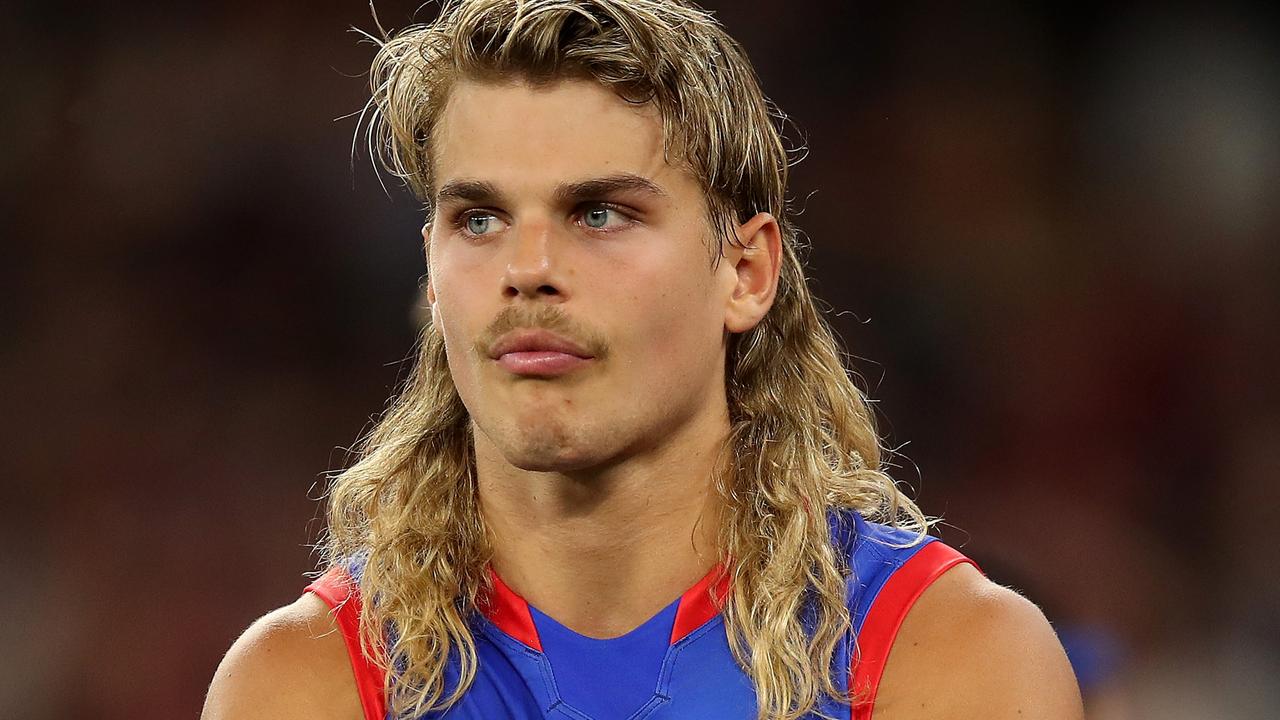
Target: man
(630, 477)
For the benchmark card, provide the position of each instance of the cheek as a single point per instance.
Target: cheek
(454, 296)
(451, 321)
(678, 325)
(459, 364)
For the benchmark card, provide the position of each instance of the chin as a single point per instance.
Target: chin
(546, 455)
(549, 447)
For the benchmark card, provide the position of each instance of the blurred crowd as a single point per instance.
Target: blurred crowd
(1049, 239)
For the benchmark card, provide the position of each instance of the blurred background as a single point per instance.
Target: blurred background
(1049, 238)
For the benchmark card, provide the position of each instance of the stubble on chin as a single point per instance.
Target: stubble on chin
(535, 446)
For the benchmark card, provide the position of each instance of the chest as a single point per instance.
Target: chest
(694, 678)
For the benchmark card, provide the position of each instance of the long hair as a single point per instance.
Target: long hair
(802, 439)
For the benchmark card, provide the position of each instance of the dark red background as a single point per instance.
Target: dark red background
(1049, 239)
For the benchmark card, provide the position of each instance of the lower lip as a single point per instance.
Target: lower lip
(541, 363)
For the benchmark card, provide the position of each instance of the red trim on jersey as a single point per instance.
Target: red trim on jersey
(510, 613)
(700, 603)
(340, 593)
(885, 617)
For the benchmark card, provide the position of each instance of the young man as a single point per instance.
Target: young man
(630, 477)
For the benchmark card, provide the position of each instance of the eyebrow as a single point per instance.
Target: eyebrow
(468, 191)
(479, 191)
(596, 188)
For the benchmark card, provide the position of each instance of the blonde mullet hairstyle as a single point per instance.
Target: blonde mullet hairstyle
(802, 439)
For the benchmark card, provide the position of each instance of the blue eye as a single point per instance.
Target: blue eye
(604, 216)
(478, 224)
(597, 217)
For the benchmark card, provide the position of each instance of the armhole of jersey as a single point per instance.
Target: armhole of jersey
(885, 617)
(338, 591)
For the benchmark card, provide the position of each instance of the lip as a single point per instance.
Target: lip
(538, 353)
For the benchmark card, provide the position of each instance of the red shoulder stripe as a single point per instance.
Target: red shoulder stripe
(701, 602)
(510, 613)
(339, 592)
(885, 617)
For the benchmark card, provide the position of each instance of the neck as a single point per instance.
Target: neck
(602, 550)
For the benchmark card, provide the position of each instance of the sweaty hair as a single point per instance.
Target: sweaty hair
(802, 439)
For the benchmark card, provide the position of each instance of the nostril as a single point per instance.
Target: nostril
(516, 290)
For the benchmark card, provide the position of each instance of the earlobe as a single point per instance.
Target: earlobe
(755, 264)
(432, 308)
(429, 293)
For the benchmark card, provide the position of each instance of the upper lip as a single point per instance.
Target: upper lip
(535, 340)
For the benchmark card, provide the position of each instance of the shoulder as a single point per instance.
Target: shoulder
(970, 648)
(291, 663)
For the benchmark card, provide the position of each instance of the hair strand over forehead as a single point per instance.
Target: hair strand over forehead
(669, 54)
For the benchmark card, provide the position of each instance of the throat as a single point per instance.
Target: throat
(602, 553)
(605, 572)
(606, 596)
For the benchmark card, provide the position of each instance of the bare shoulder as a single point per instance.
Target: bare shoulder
(972, 649)
(291, 663)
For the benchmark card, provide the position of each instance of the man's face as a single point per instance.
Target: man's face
(570, 276)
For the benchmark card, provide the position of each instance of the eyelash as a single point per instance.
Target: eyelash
(459, 221)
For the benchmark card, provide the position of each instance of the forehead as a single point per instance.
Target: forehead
(523, 136)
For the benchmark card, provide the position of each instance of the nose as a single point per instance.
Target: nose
(533, 270)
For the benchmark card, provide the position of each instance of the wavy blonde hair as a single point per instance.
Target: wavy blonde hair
(802, 437)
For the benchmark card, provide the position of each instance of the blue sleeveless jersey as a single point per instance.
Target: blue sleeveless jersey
(675, 666)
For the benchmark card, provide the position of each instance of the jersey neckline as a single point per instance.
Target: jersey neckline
(511, 613)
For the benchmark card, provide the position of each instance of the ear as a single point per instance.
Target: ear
(751, 267)
(426, 253)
